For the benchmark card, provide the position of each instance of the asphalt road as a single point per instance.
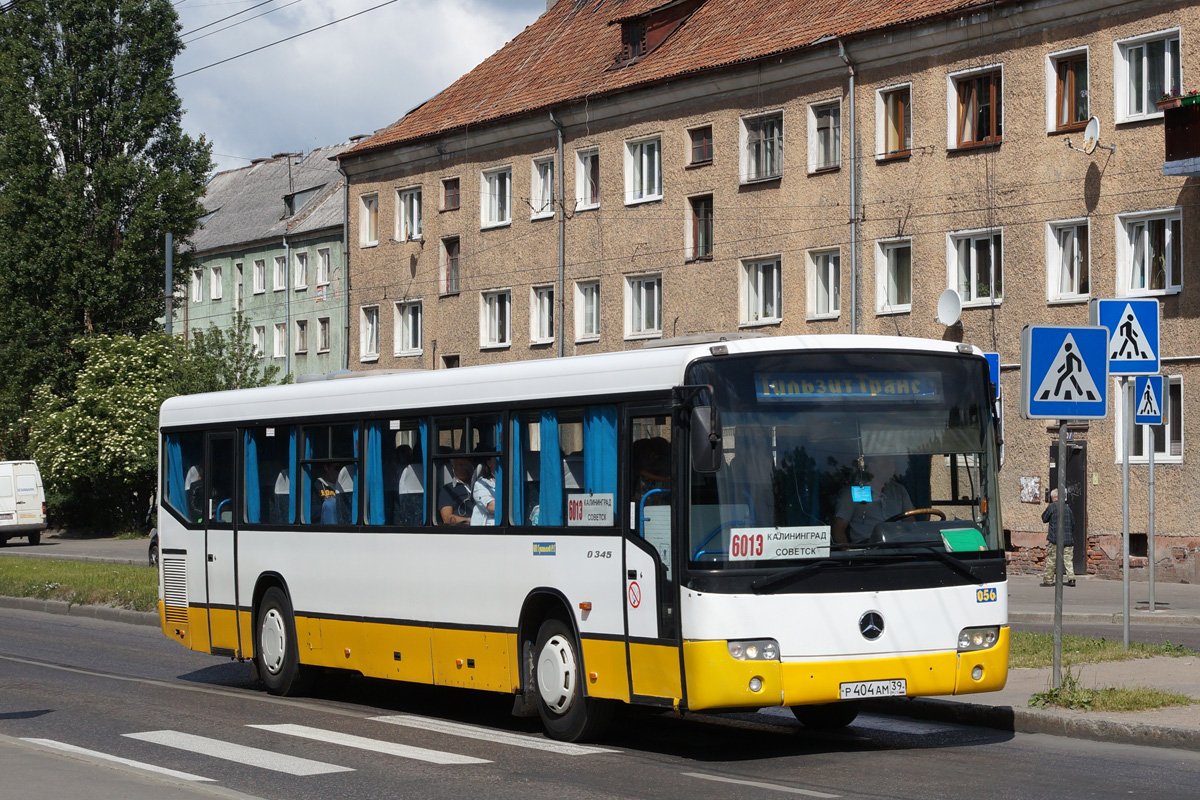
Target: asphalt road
(127, 691)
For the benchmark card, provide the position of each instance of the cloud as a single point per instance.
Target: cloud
(354, 77)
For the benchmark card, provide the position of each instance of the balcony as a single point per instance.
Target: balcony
(1182, 134)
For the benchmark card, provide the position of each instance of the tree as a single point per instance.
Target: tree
(219, 359)
(94, 171)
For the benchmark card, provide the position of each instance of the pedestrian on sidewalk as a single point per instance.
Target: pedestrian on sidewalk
(1050, 516)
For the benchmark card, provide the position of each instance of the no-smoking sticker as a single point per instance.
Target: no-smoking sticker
(635, 594)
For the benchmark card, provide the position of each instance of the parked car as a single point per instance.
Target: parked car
(22, 502)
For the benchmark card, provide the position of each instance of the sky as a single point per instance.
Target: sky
(353, 77)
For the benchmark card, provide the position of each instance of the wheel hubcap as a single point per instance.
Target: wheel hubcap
(556, 674)
(272, 641)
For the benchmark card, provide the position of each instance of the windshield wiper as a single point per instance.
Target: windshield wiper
(957, 564)
(788, 574)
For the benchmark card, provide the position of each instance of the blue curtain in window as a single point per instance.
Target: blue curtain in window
(253, 500)
(374, 473)
(518, 470)
(551, 496)
(306, 485)
(354, 484)
(176, 496)
(424, 467)
(600, 450)
(497, 513)
(293, 474)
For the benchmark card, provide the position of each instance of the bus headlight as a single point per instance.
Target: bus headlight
(755, 650)
(977, 638)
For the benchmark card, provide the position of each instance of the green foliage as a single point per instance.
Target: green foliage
(1036, 650)
(81, 583)
(220, 359)
(1074, 695)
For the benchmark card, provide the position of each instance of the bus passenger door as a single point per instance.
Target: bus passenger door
(220, 543)
(650, 595)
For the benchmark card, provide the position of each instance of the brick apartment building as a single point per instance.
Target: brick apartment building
(632, 169)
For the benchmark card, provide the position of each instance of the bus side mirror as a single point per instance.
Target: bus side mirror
(706, 442)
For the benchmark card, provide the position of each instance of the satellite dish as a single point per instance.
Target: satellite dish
(949, 307)
(1091, 135)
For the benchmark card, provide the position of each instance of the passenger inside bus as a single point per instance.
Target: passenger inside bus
(483, 493)
(454, 498)
(410, 493)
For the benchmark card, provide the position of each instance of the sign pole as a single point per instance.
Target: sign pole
(1150, 527)
(1059, 547)
(1127, 438)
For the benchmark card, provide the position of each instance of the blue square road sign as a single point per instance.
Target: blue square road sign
(1132, 324)
(1149, 400)
(1064, 372)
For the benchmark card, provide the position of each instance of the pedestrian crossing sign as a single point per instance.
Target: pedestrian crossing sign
(1133, 333)
(1149, 400)
(1064, 372)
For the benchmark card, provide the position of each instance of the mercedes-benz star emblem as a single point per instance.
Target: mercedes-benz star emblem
(870, 625)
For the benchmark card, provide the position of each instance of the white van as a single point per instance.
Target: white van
(22, 501)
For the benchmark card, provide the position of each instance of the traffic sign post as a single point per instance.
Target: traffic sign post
(1149, 393)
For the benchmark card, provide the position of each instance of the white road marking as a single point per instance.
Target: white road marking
(241, 754)
(489, 735)
(374, 745)
(70, 748)
(774, 787)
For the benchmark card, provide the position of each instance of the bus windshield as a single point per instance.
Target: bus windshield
(836, 455)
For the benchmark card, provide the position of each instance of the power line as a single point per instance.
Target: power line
(240, 22)
(222, 19)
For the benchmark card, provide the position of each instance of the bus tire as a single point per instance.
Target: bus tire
(275, 651)
(566, 713)
(828, 716)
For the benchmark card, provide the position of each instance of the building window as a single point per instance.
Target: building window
(825, 136)
(280, 339)
(407, 333)
(408, 204)
(323, 335)
(1071, 109)
(643, 304)
(762, 147)
(1146, 69)
(702, 146)
(495, 188)
(643, 170)
(587, 311)
(238, 280)
(280, 275)
(700, 227)
(1149, 253)
(893, 277)
(1067, 260)
(368, 333)
(587, 179)
(979, 117)
(541, 188)
(216, 287)
(368, 223)
(893, 111)
(260, 276)
(450, 199)
(761, 291)
(197, 285)
(301, 336)
(1166, 439)
(260, 340)
(495, 313)
(300, 278)
(541, 314)
(824, 283)
(323, 266)
(449, 265)
(976, 266)
(633, 39)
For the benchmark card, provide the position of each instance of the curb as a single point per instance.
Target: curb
(1115, 618)
(137, 562)
(62, 607)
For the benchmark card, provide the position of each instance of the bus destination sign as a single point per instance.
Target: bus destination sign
(768, 544)
(789, 386)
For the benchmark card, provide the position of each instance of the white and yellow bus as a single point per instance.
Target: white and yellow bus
(731, 524)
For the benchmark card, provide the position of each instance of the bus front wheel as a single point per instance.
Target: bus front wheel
(828, 716)
(566, 713)
(277, 655)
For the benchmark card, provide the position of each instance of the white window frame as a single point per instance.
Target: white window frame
(587, 311)
(814, 137)
(1054, 259)
(1127, 250)
(216, 282)
(541, 188)
(1121, 77)
(260, 340)
(750, 158)
(583, 179)
(762, 291)
(541, 314)
(368, 333)
(408, 331)
(301, 336)
(197, 290)
(408, 214)
(368, 220)
(1052, 60)
(643, 170)
(1174, 407)
(495, 197)
(300, 270)
(637, 292)
(954, 269)
(260, 275)
(883, 118)
(883, 250)
(323, 266)
(826, 262)
(279, 274)
(952, 81)
(280, 340)
(323, 335)
(495, 319)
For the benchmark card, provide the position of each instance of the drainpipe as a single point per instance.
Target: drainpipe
(287, 306)
(851, 71)
(562, 238)
(345, 264)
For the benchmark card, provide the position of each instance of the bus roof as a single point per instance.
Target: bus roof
(576, 377)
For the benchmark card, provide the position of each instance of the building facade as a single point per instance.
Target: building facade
(624, 171)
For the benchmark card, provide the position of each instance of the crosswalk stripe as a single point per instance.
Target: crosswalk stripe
(374, 745)
(241, 754)
(70, 748)
(489, 735)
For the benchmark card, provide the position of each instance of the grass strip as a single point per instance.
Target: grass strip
(1034, 650)
(80, 582)
(1074, 695)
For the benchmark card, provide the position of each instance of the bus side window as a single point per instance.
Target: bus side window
(395, 472)
(650, 483)
(269, 462)
(329, 475)
(183, 482)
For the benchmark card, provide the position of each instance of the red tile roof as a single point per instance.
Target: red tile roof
(566, 53)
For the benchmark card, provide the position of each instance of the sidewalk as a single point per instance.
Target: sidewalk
(1092, 600)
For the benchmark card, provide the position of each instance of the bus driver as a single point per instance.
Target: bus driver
(861, 507)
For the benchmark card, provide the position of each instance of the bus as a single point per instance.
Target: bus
(715, 524)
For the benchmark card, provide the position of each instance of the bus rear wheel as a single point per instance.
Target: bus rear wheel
(276, 654)
(828, 716)
(566, 713)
